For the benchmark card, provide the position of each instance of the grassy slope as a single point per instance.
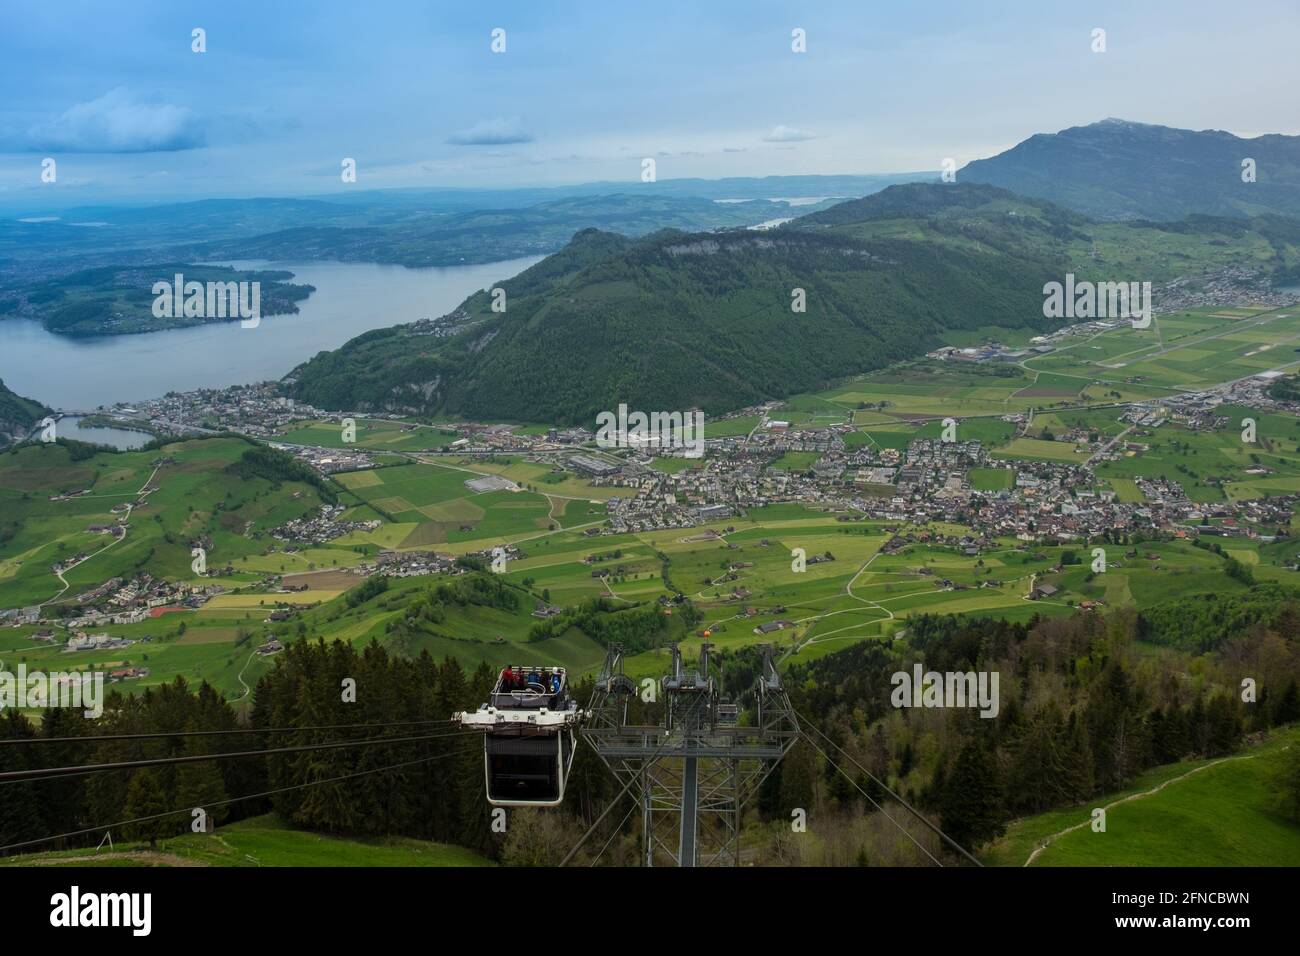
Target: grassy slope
(1217, 816)
(264, 841)
(195, 496)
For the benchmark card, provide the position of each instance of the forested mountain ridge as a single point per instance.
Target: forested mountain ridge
(1115, 169)
(674, 321)
(677, 320)
(985, 218)
(1197, 250)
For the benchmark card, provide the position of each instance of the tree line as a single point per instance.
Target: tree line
(1083, 711)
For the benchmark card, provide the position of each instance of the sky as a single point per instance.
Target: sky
(584, 91)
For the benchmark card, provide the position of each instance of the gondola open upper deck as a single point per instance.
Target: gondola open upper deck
(525, 700)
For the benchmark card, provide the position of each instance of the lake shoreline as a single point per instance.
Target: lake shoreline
(86, 373)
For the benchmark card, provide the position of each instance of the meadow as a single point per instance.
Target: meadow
(184, 492)
(261, 841)
(738, 574)
(1194, 813)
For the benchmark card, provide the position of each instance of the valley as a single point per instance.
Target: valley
(906, 460)
(1035, 477)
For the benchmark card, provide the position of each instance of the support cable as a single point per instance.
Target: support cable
(907, 806)
(613, 833)
(632, 778)
(220, 803)
(47, 773)
(901, 829)
(101, 738)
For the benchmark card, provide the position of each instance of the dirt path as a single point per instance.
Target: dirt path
(240, 677)
(613, 594)
(144, 857)
(848, 590)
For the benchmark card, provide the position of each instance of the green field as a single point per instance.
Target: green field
(739, 579)
(737, 572)
(195, 495)
(992, 479)
(261, 841)
(1036, 449)
(1077, 386)
(1198, 813)
(1192, 350)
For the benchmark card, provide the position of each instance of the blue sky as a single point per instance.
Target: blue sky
(584, 91)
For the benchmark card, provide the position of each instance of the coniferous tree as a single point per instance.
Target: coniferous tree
(1080, 777)
(797, 775)
(1286, 708)
(63, 799)
(199, 785)
(1223, 726)
(20, 814)
(1039, 777)
(971, 804)
(146, 801)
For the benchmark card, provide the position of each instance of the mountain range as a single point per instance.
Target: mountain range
(669, 299)
(1116, 169)
(677, 320)
(674, 320)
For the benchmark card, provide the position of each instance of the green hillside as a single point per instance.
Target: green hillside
(120, 299)
(262, 841)
(56, 500)
(1196, 813)
(988, 219)
(676, 321)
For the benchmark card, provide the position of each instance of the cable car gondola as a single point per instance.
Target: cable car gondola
(529, 737)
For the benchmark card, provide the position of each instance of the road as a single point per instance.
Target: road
(126, 519)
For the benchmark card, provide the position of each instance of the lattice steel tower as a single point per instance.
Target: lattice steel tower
(697, 771)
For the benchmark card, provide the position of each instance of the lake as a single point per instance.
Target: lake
(122, 438)
(350, 298)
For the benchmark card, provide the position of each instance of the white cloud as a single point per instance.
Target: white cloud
(492, 132)
(118, 123)
(787, 134)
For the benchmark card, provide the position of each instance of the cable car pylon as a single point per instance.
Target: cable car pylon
(698, 767)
